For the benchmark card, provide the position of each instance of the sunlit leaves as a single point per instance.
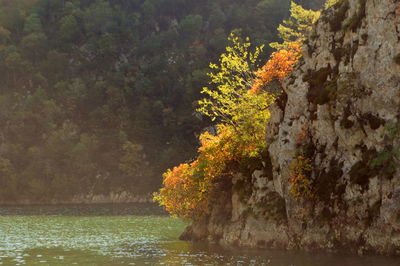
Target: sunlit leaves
(278, 67)
(296, 28)
(182, 194)
(188, 189)
(230, 103)
(330, 3)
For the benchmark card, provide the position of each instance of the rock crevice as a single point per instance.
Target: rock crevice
(341, 114)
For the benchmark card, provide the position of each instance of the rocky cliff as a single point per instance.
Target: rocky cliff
(332, 177)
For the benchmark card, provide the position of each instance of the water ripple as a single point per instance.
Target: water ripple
(50, 236)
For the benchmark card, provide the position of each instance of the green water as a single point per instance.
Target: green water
(128, 234)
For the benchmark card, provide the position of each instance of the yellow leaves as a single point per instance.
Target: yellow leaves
(330, 3)
(229, 102)
(302, 167)
(296, 27)
(301, 184)
(188, 189)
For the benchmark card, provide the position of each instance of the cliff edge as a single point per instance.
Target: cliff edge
(331, 180)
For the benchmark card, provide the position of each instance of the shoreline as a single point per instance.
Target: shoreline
(112, 198)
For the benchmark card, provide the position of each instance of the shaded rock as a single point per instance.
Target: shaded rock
(346, 93)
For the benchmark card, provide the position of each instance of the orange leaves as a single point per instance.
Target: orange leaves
(175, 178)
(189, 188)
(278, 67)
(182, 194)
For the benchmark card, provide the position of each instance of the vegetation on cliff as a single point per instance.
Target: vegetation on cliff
(239, 102)
(239, 136)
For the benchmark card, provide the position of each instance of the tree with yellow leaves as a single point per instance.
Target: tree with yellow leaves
(230, 102)
(295, 28)
(189, 188)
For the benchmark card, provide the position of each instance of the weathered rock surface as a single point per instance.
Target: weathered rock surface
(342, 113)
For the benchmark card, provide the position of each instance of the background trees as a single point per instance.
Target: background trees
(84, 83)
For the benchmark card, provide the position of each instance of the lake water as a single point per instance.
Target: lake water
(130, 234)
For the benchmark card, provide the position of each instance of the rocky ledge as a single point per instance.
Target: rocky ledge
(338, 125)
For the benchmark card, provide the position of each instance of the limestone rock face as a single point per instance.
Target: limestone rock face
(342, 115)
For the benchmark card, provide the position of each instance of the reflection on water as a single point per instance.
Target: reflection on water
(128, 234)
(120, 209)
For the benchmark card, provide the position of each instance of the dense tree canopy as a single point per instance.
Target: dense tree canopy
(99, 95)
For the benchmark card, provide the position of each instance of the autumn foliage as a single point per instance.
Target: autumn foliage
(278, 67)
(300, 181)
(182, 194)
(189, 187)
(302, 167)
